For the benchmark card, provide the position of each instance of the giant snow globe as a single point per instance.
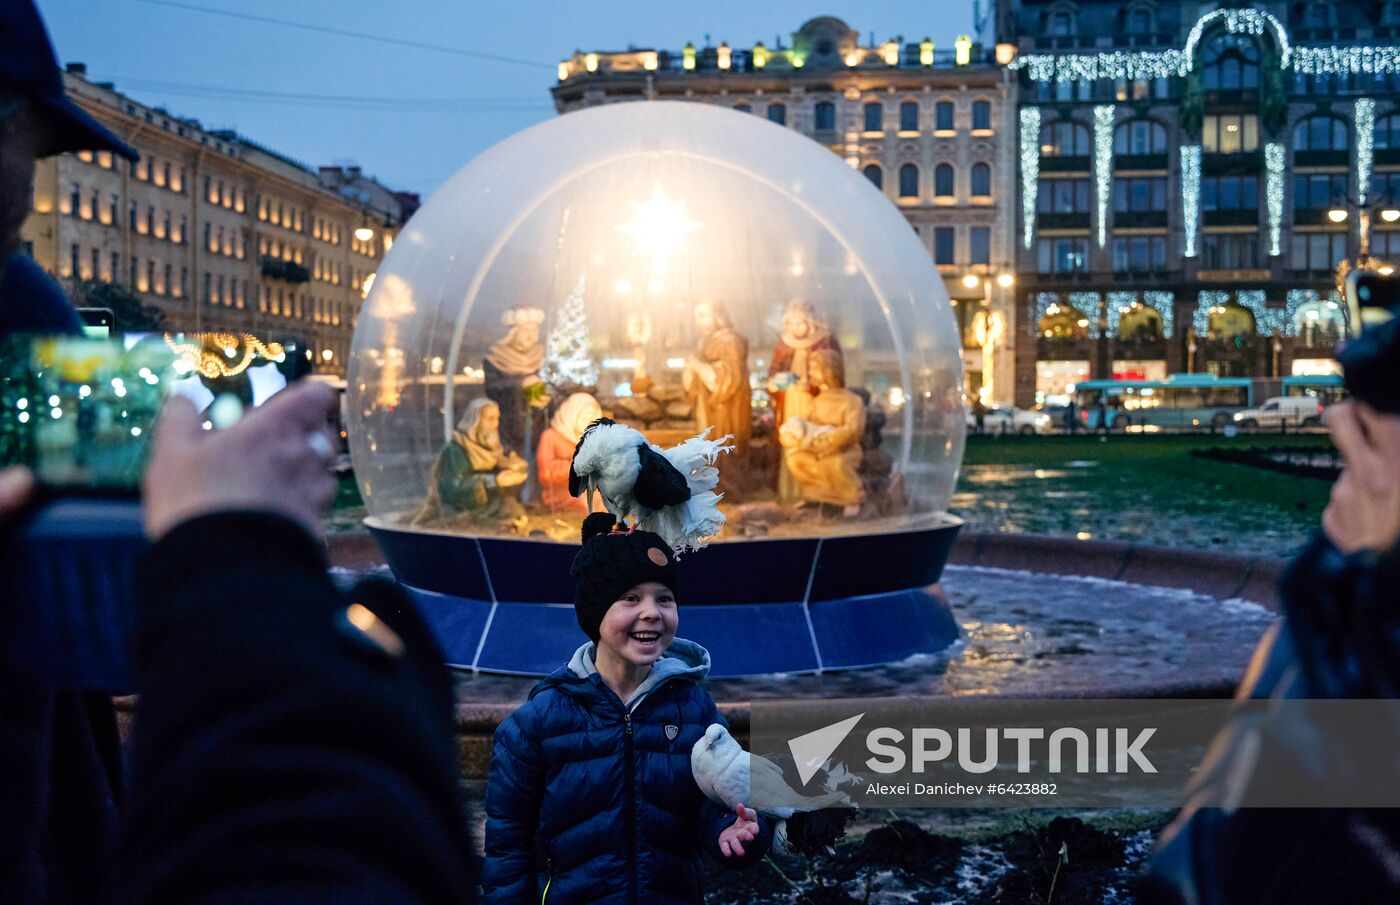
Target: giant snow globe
(677, 268)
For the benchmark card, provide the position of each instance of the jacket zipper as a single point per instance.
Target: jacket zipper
(631, 806)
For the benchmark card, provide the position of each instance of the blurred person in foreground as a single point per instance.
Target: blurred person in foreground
(60, 760)
(1339, 638)
(293, 743)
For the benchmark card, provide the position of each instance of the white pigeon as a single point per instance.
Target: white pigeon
(667, 491)
(728, 775)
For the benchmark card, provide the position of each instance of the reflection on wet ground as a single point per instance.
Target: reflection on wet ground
(1024, 634)
(1110, 502)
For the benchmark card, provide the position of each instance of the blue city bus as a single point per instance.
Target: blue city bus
(1181, 401)
(1328, 388)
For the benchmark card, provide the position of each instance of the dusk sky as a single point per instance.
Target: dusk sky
(411, 116)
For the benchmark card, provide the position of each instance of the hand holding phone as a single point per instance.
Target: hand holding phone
(275, 459)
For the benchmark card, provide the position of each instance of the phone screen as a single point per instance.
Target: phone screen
(1372, 298)
(78, 411)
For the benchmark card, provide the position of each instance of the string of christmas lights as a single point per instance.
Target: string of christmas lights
(1154, 64)
(1191, 195)
(1365, 145)
(1120, 303)
(1030, 169)
(1088, 302)
(1297, 299)
(1273, 194)
(1103, 164)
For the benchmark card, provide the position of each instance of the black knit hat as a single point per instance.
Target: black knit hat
(612, 562)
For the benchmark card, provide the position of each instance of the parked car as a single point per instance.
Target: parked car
(1281, 411)
(1007, 419)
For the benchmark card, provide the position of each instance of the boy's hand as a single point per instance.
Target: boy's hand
(744, 829)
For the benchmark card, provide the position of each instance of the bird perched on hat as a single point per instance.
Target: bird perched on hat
(667, 491)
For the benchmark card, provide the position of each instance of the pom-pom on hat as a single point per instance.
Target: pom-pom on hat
(610, 563)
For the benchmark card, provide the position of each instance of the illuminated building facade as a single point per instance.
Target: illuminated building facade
(931, 127)
(1190, 177)
(215, 231)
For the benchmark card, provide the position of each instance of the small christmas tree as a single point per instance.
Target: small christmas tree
(566, 352)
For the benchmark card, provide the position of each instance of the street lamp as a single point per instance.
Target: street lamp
(1390, 215)
(1006, 280)
(1336, 215)
(971, 281)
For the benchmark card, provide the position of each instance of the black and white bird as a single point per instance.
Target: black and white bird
(666, 491)
(728, 775)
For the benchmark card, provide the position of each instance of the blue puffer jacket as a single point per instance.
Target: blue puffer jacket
(592, 801)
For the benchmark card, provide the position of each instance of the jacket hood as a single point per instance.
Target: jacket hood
(683, 660)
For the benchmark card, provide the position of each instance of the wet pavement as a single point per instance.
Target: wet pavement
(1024, 634)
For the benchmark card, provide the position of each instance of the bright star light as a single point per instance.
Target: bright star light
(659, 227)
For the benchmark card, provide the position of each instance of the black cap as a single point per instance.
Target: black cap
(28, 66)
(611, 563)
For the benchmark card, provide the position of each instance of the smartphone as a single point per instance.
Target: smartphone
(1372, 299)
(98, 323)
(79, 412)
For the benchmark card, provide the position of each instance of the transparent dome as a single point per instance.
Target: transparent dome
(674, 266)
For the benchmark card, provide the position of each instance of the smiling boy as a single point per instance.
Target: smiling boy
(591, 796)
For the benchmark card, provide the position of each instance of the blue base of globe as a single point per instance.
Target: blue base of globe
(808, 604)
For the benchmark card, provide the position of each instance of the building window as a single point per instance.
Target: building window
(1140, 194)
(875, 175)
(1319, 191)
(1064, 139)
(1061, 24)
(96, 266)
(1318, 252)
(1062, 196)
(982, 115)
(1138, 254)
(1321, 133)
(115, 272)
(777, 113)
(184, 282)
(1231, 64)
(135, 266)
(1140, 22)
(1062, 255)
(150, 277)
(1229, 193)
(1233, 134)
(909, 181)
(980, 245)
(874, 117)
(738, 108)
(1318, 16)
(825, 116)
(209, 189)
(908, 116)
(166, 286)
(209, 236)
(943, 245)
(1230, 251)
(943, 180)
(1140, 136)
(113, 211)
(943, 116)
(1385, 187)
(208, 288)
(981, 180)
(133, 216)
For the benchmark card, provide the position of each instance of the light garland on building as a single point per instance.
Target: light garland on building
(1103, 164)
(1088, 302)
(1365, 145)
(1030, 170)
(1343, 60)
(1255, 301)
(1273, 194)
(1165, 304)
(1298, 298)
(1191, 195)
(1120, 303)
(1044, 302)
(1156, 64)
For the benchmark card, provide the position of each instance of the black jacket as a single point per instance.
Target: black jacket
(282, 754)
